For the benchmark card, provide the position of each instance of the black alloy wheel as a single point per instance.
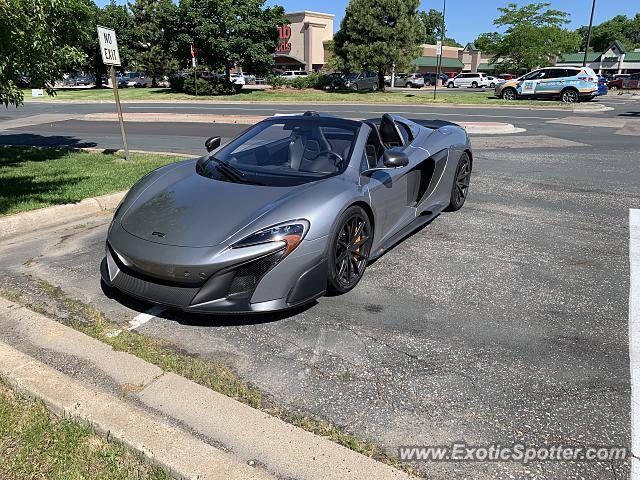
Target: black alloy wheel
(460, 188)
(349, 251)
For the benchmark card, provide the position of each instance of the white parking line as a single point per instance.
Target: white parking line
(145, 317)
(634, 338)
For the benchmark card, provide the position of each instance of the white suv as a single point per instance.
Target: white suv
(291, 74)
(473, 80)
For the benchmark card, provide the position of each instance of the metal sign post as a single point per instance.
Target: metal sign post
(439, 49)
(111, 56)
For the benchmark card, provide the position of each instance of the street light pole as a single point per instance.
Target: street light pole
(435, 83)
(586, 47)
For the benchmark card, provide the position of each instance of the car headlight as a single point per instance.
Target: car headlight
(290, 234)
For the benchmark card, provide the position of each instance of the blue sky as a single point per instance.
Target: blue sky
(466, 19)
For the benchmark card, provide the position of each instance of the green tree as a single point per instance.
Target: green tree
(620, 27)
(230, 32)
(432, 24)
(40, 39)
(534, 35)
(375, 34)
(485, 42)
(151, 19)
(119, 18)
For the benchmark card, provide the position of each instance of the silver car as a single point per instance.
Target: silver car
(294, 207)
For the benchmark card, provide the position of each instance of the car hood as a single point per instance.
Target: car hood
(182, 208)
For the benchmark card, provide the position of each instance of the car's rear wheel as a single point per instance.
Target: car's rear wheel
(569, 95)
(450, 85)
(509, 94)
(460, 187)
(427, 83)
(349, 250)
(408, 85)
(492, 85)
(474, 85)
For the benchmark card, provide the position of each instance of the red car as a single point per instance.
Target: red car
(505, 76)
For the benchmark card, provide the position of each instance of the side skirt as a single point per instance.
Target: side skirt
(404, 232)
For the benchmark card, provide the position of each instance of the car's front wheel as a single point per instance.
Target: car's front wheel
(349, 250)
(460, 187)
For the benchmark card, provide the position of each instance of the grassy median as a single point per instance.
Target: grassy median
(36, 445)
(290, 95)
(33, 177)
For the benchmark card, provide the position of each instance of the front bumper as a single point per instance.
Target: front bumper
(263, 283)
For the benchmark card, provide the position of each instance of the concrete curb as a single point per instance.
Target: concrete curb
(178, 452)
(142, 419)
(58, 214)
(592, 107)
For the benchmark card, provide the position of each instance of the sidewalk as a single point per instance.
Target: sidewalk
(191, 431)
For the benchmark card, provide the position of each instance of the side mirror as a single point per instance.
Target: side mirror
(212, 143)
(395, 159)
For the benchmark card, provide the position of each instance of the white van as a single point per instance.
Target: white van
(472, 80)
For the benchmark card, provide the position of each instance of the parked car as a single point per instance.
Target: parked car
(362, 81)
(505, 76)
(602, 86)
(238, 78)
(138, 80)
(493, 81)
(569, 84)
(472, 80)
(78, 80)
(335, 81)
(408, 80)
(632, 81)
(291, 74)
(430, 78)
(615, 83)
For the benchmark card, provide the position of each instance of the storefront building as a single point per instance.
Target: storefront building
(428, 61)
(304, 43)
(616, 59)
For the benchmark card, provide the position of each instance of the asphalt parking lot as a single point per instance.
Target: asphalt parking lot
(504, 322)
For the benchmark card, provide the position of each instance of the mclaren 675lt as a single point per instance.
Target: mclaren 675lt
(295, 206)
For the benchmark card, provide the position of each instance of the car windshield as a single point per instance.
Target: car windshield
(286, 151)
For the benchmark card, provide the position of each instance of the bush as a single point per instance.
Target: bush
(276, 81)
(211, 87)
(313, 80)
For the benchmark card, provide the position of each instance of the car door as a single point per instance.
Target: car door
(389, 193)
(527, 86)
(551, 81)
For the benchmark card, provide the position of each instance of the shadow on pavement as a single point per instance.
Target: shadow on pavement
(32, 139)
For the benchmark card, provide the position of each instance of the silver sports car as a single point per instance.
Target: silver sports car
(292, 208)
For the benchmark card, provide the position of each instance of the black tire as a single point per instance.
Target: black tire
(474, 84)
(374, 87)
(461, 180)
(569, 95)
(509, 93)
(450, 85)
(492, 85)
(354, 87)
(427, 83)
(408, 85)
(349, 250)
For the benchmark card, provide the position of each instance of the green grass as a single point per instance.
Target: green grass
(33, 177)
(288, 95)
(36, 445)
(204, 371)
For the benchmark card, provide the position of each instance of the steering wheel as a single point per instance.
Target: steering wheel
(339, 160)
